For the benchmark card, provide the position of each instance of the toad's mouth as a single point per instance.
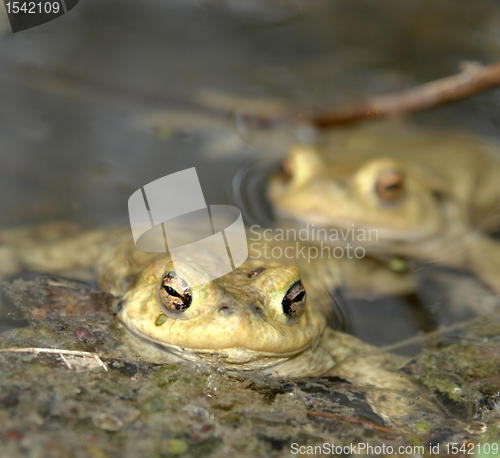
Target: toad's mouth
(340, 231)
(232, 359)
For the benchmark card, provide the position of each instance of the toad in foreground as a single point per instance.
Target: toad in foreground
(264, 317)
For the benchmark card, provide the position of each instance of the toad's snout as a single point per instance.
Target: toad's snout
(226, 309)
(229, 308)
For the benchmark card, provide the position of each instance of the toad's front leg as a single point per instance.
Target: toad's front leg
(391, 394)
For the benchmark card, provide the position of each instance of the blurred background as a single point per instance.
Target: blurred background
(116, 94)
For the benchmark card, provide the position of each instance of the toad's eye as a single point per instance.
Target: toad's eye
(175, 295)
(294, 300)
(390, 186)
(286, 170)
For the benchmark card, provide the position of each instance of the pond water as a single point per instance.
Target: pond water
(116, 94)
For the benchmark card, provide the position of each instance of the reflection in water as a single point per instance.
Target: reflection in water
(249, 192)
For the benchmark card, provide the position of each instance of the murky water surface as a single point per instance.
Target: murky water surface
(119, 93)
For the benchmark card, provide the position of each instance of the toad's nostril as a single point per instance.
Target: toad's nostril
(225, 309)
(257, 310)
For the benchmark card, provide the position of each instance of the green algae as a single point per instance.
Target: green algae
(161, 319)
(466, 372)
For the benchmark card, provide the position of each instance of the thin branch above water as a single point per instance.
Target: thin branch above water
(472, 79)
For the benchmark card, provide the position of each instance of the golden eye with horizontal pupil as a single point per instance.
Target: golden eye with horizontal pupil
(390, 186)
(174, 294)
(294, 300)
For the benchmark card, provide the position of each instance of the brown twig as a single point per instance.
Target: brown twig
(54, 351)
(59, 352)
(365, 423)
(473, 79)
